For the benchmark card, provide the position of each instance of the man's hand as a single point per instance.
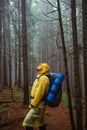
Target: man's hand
(30, 106)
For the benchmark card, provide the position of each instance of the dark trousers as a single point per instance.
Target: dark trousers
(29, 128)
(40, 128)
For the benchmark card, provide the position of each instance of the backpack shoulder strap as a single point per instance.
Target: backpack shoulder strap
(48, 75)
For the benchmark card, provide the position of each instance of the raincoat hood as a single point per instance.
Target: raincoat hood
(43, 68)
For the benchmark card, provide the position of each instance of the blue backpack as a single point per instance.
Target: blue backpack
(54, 95)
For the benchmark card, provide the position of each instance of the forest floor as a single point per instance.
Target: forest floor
(13, 113)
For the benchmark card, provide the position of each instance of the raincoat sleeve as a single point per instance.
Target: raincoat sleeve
(43, 86)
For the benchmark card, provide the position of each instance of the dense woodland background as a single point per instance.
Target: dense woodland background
(51, 31)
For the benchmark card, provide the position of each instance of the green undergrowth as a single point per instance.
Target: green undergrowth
(3, 110)
(65, 100)
(18, 93)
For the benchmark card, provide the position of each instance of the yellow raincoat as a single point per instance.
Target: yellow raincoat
(35, 116)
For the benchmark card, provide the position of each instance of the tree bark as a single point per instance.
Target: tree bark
(77, 86)
(66, 67)
(0, 44)
(19, 47)
(4, 47)
(25, 55)
(84, 18)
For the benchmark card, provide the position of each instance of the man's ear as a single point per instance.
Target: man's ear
(47, 69)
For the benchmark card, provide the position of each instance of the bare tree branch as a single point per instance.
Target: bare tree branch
(51, 12)
(50, 17)
(44, 20)
(51, 4)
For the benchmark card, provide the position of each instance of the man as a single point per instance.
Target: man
(35, 116)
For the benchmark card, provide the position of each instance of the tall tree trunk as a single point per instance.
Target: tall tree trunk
(66, 67)
(0, 44)
(15, 58)
(10, 56)
(84, 16)
(9, 42)
(4, 60)
(4, 47)
(77, 86)
(19, 47)
(25, 55)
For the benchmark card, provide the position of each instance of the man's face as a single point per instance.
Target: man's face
(39, 68)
